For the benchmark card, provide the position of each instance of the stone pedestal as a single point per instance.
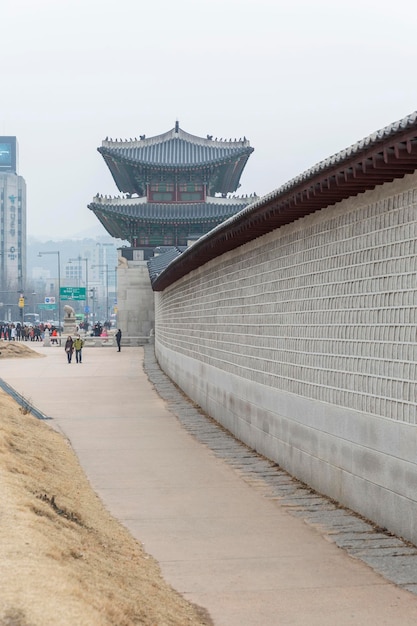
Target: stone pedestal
(70, 326)
(46, 338)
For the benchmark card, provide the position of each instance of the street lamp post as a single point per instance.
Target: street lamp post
(93, 291)
(59, 282)
(107, 287)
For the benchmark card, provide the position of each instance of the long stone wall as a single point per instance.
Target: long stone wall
(303, 344)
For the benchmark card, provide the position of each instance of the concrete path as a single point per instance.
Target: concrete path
(218, 539)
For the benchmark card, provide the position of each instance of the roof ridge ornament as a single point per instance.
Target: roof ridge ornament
(177, 126)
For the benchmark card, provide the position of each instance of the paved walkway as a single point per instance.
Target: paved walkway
(230, 531)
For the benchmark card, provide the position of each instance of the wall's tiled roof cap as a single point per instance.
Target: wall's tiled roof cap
(165, 255)
(383, 156)
(355, 149)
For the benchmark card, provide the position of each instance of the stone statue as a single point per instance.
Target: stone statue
(70, 322)
(69, 311)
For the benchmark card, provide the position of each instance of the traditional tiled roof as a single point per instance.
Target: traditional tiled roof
(383, 156)
(176, 148)
(139, 209)
(112, 212)
(160, 262)
(130, 161)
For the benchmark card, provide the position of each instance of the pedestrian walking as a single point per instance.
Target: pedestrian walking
(54, 335)
(78, 346)
(69, 348)
(119, 339)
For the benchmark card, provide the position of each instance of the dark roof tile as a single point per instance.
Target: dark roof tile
(154, 212)
(176, 149)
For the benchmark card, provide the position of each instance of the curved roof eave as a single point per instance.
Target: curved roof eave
(174, 133)
(119, 157)
(229, 169)
(381, 157)
(111, 225)
(136, 209)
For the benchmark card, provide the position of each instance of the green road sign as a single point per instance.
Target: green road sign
(72, 293)
(47, 307)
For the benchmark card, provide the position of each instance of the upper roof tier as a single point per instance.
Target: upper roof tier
(135, 162)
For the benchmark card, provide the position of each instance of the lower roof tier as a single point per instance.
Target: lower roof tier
(130, 218)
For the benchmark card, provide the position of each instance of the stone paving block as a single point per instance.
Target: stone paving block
(367, 540)
(382, 552)
(402, 569)
(298, 501)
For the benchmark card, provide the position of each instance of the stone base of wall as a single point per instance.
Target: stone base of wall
(364, 462)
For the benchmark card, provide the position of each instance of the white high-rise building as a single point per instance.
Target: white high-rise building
(12, 218)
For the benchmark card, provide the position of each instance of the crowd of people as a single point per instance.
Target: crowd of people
(100, 330)
(10, 331)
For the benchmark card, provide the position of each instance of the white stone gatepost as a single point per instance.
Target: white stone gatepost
(135, 298)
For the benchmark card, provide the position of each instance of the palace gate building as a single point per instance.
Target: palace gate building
(176, 187)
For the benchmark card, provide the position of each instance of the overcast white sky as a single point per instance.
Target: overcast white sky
(301, 79)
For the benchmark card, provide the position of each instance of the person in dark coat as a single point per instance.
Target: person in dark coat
(118, 339)
(69, 348)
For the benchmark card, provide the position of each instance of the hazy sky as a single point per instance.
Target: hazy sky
(301, 79)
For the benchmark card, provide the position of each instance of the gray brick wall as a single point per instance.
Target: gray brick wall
(325, 308)
(303, 344)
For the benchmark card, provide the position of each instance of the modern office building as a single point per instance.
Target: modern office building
(12, 220)
(95, 269)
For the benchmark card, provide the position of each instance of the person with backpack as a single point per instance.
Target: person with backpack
(78, 346)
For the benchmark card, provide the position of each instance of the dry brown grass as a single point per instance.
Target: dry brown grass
(64, 559)
(17, 350)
